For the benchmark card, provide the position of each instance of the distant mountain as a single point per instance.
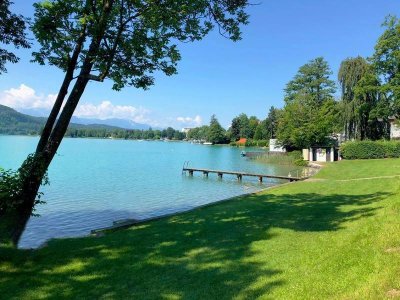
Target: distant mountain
(13, 122)
(34, 112)
(122, 123)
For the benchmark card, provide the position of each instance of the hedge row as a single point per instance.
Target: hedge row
(370, 149)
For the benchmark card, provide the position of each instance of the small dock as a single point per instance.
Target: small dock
(239, 175)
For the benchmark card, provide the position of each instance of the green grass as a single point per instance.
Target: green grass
(352, 169)
(322, 239)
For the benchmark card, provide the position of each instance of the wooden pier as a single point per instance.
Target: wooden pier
(239, 175)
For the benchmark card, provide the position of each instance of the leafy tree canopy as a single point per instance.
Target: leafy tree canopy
(350, 72)
(362, 100)
(136, 38)
(312, 80)
(216, 134)
(386, 61)
(299, 127)
(308, 115)
(12, 32)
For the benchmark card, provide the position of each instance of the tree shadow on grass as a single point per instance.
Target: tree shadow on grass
(205, 254)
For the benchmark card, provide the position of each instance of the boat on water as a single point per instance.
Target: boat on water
(243, 153)
(207, 143)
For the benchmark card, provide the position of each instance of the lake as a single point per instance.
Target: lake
(94, 182)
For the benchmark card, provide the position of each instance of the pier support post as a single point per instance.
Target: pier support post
(205, 174)
(190, 172)
(220, 175)
(260, 179)
(239, 177)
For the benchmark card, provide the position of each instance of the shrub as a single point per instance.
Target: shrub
(10, 188)
(233, 144)
(370, 149)
(12, 183)
(392, 148)
(298, 159)
(296, 154)
(256, 143)
(262, 143)
(301, 162)
(250, 143)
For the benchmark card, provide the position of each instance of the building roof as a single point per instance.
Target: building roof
(242, 141)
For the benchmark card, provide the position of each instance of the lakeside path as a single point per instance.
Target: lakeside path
(334, 238)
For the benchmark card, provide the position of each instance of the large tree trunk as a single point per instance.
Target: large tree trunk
(19, 217)
(62, 93)
(52, 136)
(14, 220)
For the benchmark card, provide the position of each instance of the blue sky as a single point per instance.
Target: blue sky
(217, 76)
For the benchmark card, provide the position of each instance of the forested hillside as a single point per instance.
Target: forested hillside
(15, 123)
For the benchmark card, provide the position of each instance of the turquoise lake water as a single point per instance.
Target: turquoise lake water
(94, 182)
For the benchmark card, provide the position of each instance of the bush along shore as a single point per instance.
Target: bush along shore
(334, 236)
(370, 149)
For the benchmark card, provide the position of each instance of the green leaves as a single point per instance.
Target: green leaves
(370, 149)
(12, 183)
(216, 134)
(12, 31)
(140, 37)
(386, 61)
(361, 95)
(310, 113)
(312, 80)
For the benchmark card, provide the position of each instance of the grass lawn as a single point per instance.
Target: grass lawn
(335, 238)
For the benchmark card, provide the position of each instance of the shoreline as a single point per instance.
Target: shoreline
(127, 223)
(123, 224)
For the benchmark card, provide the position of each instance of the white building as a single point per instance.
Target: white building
(186, 129)
(274, 147)
(394, 128)
(321, 153)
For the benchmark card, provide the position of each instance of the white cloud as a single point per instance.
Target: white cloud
(107, 110)
(25, 97)
(189, 121)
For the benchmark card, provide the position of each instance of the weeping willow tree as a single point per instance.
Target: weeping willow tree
(361, 100)
(350, 73)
